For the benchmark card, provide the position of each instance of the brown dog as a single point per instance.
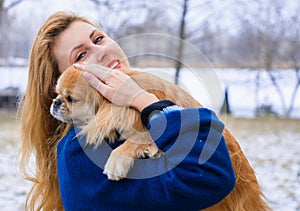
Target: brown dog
(80, 104)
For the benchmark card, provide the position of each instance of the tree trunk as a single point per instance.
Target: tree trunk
(280, 93)
(290, 109)
(178, 64)
(226, 106)
(257, 89)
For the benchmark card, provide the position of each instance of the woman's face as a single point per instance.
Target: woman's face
(82, 42)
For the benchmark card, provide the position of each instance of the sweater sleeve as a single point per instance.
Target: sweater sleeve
(196, 157)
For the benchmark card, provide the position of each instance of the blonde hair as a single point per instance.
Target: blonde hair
(40, 131)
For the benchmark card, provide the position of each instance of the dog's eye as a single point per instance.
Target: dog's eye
(71, 99)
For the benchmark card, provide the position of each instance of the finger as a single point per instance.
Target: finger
(95, 82)
(79, 66)
(97, 70)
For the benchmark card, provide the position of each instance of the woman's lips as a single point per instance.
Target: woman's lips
(114, 64)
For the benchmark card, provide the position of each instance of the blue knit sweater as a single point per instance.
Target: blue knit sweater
(195, 171)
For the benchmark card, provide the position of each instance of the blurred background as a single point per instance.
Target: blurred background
(240, 58)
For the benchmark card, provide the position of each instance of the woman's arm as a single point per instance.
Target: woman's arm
(196, 160)
(194, 173)
(200, 127)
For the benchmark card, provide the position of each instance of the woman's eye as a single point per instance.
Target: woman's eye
(98, 39)
(70, 99)
(79, 57)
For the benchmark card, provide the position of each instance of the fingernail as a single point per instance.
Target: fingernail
(80, 66)
(86, 75)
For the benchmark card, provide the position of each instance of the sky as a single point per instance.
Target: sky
(35, 12)
(39, 10)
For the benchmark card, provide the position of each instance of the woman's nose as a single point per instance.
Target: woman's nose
(99, 53)
(96, 54)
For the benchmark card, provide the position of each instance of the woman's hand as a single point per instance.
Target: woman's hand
(116, 86)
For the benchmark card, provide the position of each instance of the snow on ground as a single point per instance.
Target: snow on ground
(13, 188)
(272, 145)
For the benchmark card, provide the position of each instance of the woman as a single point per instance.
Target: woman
(65, 178)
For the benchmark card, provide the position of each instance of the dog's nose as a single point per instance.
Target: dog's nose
(57, 102)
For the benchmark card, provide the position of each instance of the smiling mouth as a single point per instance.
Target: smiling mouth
(115, 64)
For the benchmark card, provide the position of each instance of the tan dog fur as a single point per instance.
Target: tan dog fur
(246, 195)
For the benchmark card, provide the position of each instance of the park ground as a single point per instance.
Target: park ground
(271, 144)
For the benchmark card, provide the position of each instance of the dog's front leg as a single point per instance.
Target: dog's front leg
(119, 163)
(122, 158)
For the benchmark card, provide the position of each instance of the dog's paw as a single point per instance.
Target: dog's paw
(157, 154)
(153, 151)
(117, 166)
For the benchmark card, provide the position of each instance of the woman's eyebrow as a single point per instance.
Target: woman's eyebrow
(92, 34)
(80, 45)
(76, 47)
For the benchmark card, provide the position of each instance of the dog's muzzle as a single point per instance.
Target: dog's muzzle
(57, 109)
(57, 103)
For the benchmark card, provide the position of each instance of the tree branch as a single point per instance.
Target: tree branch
(11, 5)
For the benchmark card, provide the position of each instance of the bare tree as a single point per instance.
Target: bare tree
(182, 35)
(125, 19)
(9, 6)
(4, 23)
(292, 55)
(268, 27)
(177, 18)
